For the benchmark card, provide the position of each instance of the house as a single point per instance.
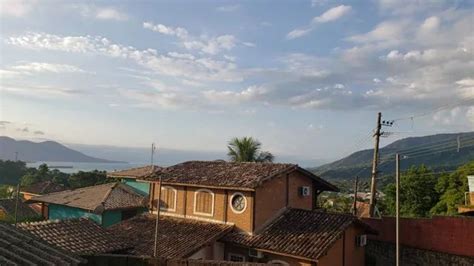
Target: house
(130, 176)
(18, 247)
(78, 236)
(40, 188)
(24, 212)
(271, 208)
(468, 207)
(105, 204)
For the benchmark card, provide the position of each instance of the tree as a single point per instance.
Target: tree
(85, 179)
(247, 149)
(11, 171)
(417, 193)
(452, 187)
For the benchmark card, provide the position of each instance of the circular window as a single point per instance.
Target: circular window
(238, 202)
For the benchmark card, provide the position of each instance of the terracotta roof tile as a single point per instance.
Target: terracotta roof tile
(301, 233)
(24, 210)
(79, 236)
(44, 187)
(18, 247)
(177, 238)
(110, 196)
(136, 172)
(227, 174)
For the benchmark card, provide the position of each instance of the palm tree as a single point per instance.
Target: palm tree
(247, 149)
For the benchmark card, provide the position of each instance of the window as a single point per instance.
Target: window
(236, 257)
(168, 199)
(238, 202)
(204, 202)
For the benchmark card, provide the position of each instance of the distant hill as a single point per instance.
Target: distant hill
(438, 152)
(49, 151)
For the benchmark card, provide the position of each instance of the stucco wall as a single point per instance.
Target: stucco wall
(62, 212)
(142, 187)
(296, 200)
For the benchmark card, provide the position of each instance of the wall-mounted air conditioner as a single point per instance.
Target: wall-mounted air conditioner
(305, 191)
(255, 253)
(361, 240)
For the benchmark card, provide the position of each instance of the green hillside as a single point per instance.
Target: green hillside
(439, 152)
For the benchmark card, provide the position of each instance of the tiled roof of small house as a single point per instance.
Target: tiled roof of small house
(18, 247)
(248, 175)
(43, 187)
(24, 210)
(136, 172)
(79, 236)
(177, 238)
(299, 233)
(110, 196)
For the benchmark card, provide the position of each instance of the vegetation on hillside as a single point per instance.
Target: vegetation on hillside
(247, 149)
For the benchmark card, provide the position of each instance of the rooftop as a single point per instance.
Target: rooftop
(247, 175)
(18, 247)
(137, 172)
(43, 187)
(299, 233)
(79, 236)
(177, 238)
(110, 196)
(24, 210)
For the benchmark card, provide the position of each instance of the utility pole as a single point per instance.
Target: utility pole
(17, 193)
(356, 184)
(397, 207)
(373, 186)
(155, 250)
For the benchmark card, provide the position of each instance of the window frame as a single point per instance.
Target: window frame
(175, 199)
(232, 207)
(236, 255)
(212, 202)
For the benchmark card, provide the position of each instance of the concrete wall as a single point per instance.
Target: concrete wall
(61, 212)
(452, 235)
(380, 253)
(142, 187)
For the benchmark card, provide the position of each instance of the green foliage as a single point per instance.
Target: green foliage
(6, 191)
(247, 149)
(417, 193)
(336, 202)
(11, 171)
(43, 173)
(84, 179)
(452, 188)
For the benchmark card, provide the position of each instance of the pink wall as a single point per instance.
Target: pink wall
(453, 235)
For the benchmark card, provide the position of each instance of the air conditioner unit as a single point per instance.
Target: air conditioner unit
(305, 191)
(255, 253)
(361, 240)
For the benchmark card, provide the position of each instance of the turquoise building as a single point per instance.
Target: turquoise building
(105, 204)
(132, 177)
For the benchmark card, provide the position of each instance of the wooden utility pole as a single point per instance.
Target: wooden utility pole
(356, 184)
(373, 185)
(397, 207)
(155, 249)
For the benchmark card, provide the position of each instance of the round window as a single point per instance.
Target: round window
(238, 202)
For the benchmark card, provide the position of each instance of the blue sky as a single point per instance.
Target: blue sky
(304, 77)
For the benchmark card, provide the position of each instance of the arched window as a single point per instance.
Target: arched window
(168, 198)
(204, 202)
(278, 262)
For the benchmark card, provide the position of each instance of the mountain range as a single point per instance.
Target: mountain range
(439, 152)
(49, 151)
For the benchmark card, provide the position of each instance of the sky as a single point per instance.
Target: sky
(306, 78)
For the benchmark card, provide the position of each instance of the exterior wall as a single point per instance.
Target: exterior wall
(218, 213)
(3, 215)
(440, 233)
(334, 256)
(383, 254)
(267, 257)
(242, 221)
(142, 187)
(297, 180)
(354, 255)
(61, 212)
(270, 199)
(111, 217)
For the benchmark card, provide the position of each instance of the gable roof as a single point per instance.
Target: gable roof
(242, 175)
(24, 210)
(136, 172)
(18, 247)
(79, 236)
(299, 233)
(43, 187)
(100, 198)
(177, 238)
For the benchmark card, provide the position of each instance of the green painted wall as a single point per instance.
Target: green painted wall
(62, 212)
(111, 217)
(142, 187)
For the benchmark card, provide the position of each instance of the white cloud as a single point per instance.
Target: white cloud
(330, 15)
(16, 8)
(333, 14)
(39, 91)
(315, 3)
(47, 67)
(101, 13)
(178, 31)
(228, 8)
